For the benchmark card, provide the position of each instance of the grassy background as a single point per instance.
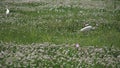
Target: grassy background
(29, 34)
(38, 22)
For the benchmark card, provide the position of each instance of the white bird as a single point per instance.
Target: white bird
(7, 11)
(87, 28)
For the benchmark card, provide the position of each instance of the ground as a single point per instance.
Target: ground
(45, 33)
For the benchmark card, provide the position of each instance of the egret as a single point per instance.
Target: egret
(7, 11)
(87, 28)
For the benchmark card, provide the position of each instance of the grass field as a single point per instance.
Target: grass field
(59, 22)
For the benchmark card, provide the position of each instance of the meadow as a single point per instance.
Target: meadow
(32, 24)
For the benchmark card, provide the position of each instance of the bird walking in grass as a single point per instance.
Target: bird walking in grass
(87, 28)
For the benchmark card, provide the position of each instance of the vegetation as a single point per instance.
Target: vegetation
(59, 22)
(58, 56)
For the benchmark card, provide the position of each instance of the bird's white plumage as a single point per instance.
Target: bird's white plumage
(87, 28)
(7, 11)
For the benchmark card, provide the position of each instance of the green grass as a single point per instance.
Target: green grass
(59, 25)
(31, 23)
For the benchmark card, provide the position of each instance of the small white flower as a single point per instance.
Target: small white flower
(77, 45)
(118, 56)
